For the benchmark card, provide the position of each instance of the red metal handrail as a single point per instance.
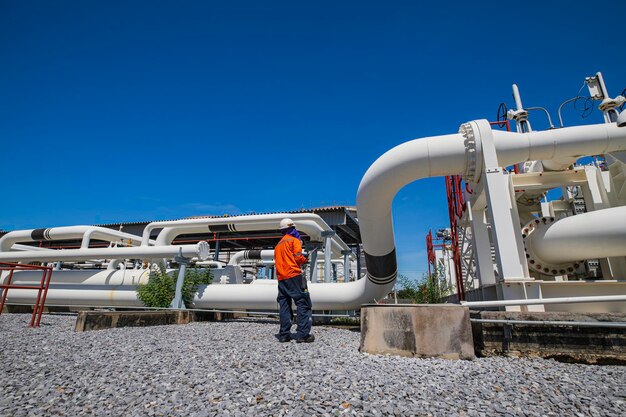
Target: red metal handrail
(46, 275)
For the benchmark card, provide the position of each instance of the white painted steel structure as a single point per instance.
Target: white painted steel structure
(516, 243)
(529, 240)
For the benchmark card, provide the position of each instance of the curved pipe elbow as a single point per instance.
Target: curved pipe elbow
(408, 162)
(65, 232)
(311, 224)
(102, 233)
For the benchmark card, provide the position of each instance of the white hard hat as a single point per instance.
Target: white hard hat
(286, 223)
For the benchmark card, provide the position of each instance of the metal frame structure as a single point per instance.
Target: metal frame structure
(507, 228)
(505, 232)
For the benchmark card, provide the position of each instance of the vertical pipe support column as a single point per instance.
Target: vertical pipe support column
(481, 246)
(357, 275)
(313, 263)
(505, 222)
(346, 265)
(328, 241)
(216, 254)
(178, 302)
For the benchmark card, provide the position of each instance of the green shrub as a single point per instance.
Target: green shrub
(161, 286)
(431, 289)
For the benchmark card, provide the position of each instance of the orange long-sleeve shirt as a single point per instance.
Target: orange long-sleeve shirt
(288, 257)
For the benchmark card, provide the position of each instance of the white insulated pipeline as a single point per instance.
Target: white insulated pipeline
(85, 277)
(120, 291)
(261, 294)
(597, 234)
(263, 255)
(86, 233)
(458, 154)
(311, 224)
(199, 250)
(82, 288)
(428, 157)
(267, 256)
(80, 295)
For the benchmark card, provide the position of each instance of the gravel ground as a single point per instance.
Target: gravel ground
(239, 369)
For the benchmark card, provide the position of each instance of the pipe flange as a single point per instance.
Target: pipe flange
(534, 261)
(470, 152)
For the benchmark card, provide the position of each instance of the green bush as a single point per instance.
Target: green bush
(161, 286)
(431, 289)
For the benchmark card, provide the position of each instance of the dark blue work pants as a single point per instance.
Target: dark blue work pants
(294, 289)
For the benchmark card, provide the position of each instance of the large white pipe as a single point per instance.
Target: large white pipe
(554, 300)
(597, 234)
(261, 294)
(199, 250)
(62, 278)
(120, 291)
(311, 224)
(457, 154)
(80, 295)
(435, 156)
(267, 256)
(559, 144)
(86, 233)
(20, 247)
(264, 255)
(420, 158)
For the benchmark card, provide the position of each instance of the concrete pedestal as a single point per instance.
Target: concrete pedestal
(418, 330)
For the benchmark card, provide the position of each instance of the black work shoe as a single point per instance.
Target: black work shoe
(284, 339)
(310, 338)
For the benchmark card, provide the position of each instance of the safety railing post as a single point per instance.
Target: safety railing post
(42, 289)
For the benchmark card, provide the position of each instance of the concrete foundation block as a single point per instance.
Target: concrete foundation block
(417, 330)
(99, 320)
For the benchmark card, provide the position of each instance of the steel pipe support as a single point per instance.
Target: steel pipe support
(458, 154)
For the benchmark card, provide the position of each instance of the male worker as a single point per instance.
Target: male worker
(288, 259)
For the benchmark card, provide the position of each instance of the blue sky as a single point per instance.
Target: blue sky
(143, 110)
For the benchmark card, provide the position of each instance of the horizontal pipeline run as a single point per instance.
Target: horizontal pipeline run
(554, 323)
(537, 301)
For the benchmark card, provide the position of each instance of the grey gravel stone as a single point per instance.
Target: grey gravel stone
(239, 369)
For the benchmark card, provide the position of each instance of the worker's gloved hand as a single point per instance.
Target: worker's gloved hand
(305, 253)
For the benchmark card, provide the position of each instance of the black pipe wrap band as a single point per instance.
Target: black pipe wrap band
(40, 234)
(219, 228)
(382, 270)
(252, 254)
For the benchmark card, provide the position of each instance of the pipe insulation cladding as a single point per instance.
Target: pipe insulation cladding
(311, 224)
(200, 250)
(597, 234)
(265, 255)
(458, 154)
(118, 288)
(86, 233)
